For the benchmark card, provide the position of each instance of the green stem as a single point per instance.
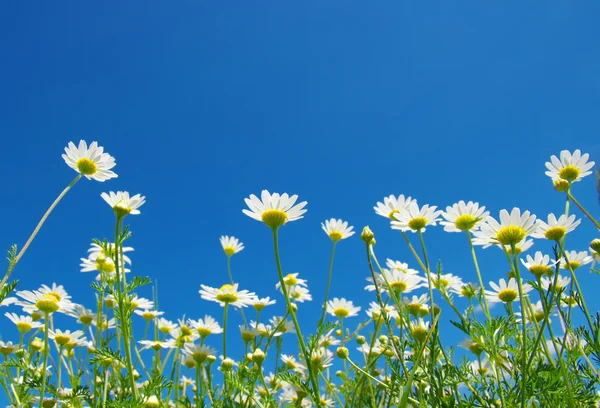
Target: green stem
(596, 223)
(45, 362)
(328, 283)
(225, 330)
(524, 324)
(313, 379)
(14, 262)
(486, 309)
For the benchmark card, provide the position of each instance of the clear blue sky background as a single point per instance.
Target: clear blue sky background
(204, 103)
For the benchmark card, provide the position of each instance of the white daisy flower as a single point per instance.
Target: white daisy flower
(417, 305)
(342, 308)
(7, 348)
(122, 204)
(249, 333)
(227, 294)
(23, 323)
(34, 301)
(291, 363)
(462, 217)
(539, 265)
(321, 358)
(512, 229)
(419, 329)
(141, 303)
(281, 326)
(157, 344)
(231, 245)
(260, 303)
(555, 229)
(398, 281)
(206, 326)
(264, 330)
(291, 280)
(375, 312)
(392, 206)
(562, 282)
(337, 229)
(148, 314)
(166, 326)
(328, 340)
(90, 162)
(400, 266)
(83, 315)
(97, 251)
(415, 219)
(299, 294)
(106, 324)
(274, 210)
(63, 338)
(199, 352)
(570, 167)
(184, 333)
(506, 292)
(105, 266)
(576, 259)
(447, 282)
(481, 367)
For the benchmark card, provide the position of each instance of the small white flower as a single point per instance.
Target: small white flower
(91, 162)
(157, 344)
(447, 282)
(63, 338)
(462, 217)
(415, 219)
(274, 209)
(291, 363)
(555, 229)
(570, 167)
(141, 303)
(23, 323)
(506, 293)
(122, 204)
(375, 312)
(342, 308)
(561, 282)
(227, 294)
(206, 326)
(83, 315)
(299, 294)
(337, 229)
(512, 229)
(539, 265)
(231, 245)
(166, 326)
(281, 326)
(575, 260)
(148, 314)
(392, 206)
(395, 280)
(260, 303)
(400, 266)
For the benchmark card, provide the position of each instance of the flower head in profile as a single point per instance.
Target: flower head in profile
(400, 266)
(570, 167)
(574, 260)
(166, 326)
(157, 344)
(83, 315)
(122, 204)
(291, 363)
(44, 302)
(539, 265)
(91, 161)
(337, 229)
(299, 294)
(227, 294)
(206, 326)
(377, 313)
(67, 338)
(396, 280)
(562, 282)
(506, 292)
(199, 352)
(148, 314)
(342, 308)
(141, 303)
(392, 206)
(98, 253)
(274, 209)
(555, 229)
(463, 217)
(417, 305)
(23, 323)
(447, 282)
(415, 219)
(231, 245)
(512, 229)
(260, 303)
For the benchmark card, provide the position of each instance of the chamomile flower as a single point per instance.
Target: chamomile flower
(342, 308)
(91, 161)
(555, 229)
(249, 333)
(264, 330)
(23, 323)
(417, 305)
(199, 352)
(395, 280)
(122, 204)
(570, 167)
(43, 302)
(231, 245)
(184, 333)
(447, 282)
(337, 229)
(419, 329)
(392, 206)
(462, 217)
(148, 314)
(321, 358)
(227, 294)
(328, 340)
(539, 265)
(512, 229)
(106, 324)
(282, 326)
(562, 282)
(157, 344)
(299, 294)
(575, 260)
(166, 326)
(260, 303)
(290, 280)
(7, 348)
(505, 292)
(376, 312)
(400, 266)
(83, 315)
(481, 367)
(63, 338)
(291, 363)
(97, 251)
(274, 209)
(519, 248)
(141, 303)
(206, 326)
(415, 219)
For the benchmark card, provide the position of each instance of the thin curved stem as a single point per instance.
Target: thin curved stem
(328, 283)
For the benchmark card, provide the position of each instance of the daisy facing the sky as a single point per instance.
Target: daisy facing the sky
(415, 219)
(392, 206)
(463, 217)
(227, 295)
(570, 167)
(231, 245)
(512, 229)
(274, 209)
(342, 308)
(122, 204)
(337, 229)
(555, 229)
(91, 162)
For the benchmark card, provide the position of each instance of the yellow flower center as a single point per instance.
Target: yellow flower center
(86, 320)
(335, 236)
(392, 214)
(86, 166)
(200, 356)
(274, 218)
(476, 349)
(424, 310)
(574, 265)
(110, 302)
(226, 296)
(24, 327)
(121, 209)
(148, 315)
(229, 250)
(555, 233)
(341, 312)
(398, 286)
(465, 222)
(204, 331)
(62, 339)
(290, 364)
(105, 265)
(569, 173)
(248, 335)
(539, 270)
(133, 305)
(539, 316)
(186, 331)
(419, 333)
(569, 301)
(442, 283)
(290, 280)
(165, 329)
(561, 185)
(414, 309)
(511, 234)
(35, 316)
(507, 295)
(417, 223)
(48, 303)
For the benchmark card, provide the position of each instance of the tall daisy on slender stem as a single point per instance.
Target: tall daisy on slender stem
(336, 230)
(275, 210)
(91, 163)
(462, 217)
(231, 246)
(122, 205)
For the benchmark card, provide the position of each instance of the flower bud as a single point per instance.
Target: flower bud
(383, 339)
(339, 333)
(227, 364)
(595, 245)
(258, 356)
(361, 340)
(342, 352)
(367, 235)
(152, 402)
(561, 185)
(36, 344)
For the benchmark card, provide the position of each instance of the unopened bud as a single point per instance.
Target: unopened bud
(36, 344)
(258, 356)
(561, 185)
(367, 235)
(342, 352)
(152, 402)
(227, 364)
(361, 340)
(595, 245)
(383, 339)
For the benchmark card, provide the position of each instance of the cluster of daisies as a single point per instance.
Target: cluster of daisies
(185, 340)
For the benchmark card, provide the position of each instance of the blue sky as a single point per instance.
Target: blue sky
(203, 103)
